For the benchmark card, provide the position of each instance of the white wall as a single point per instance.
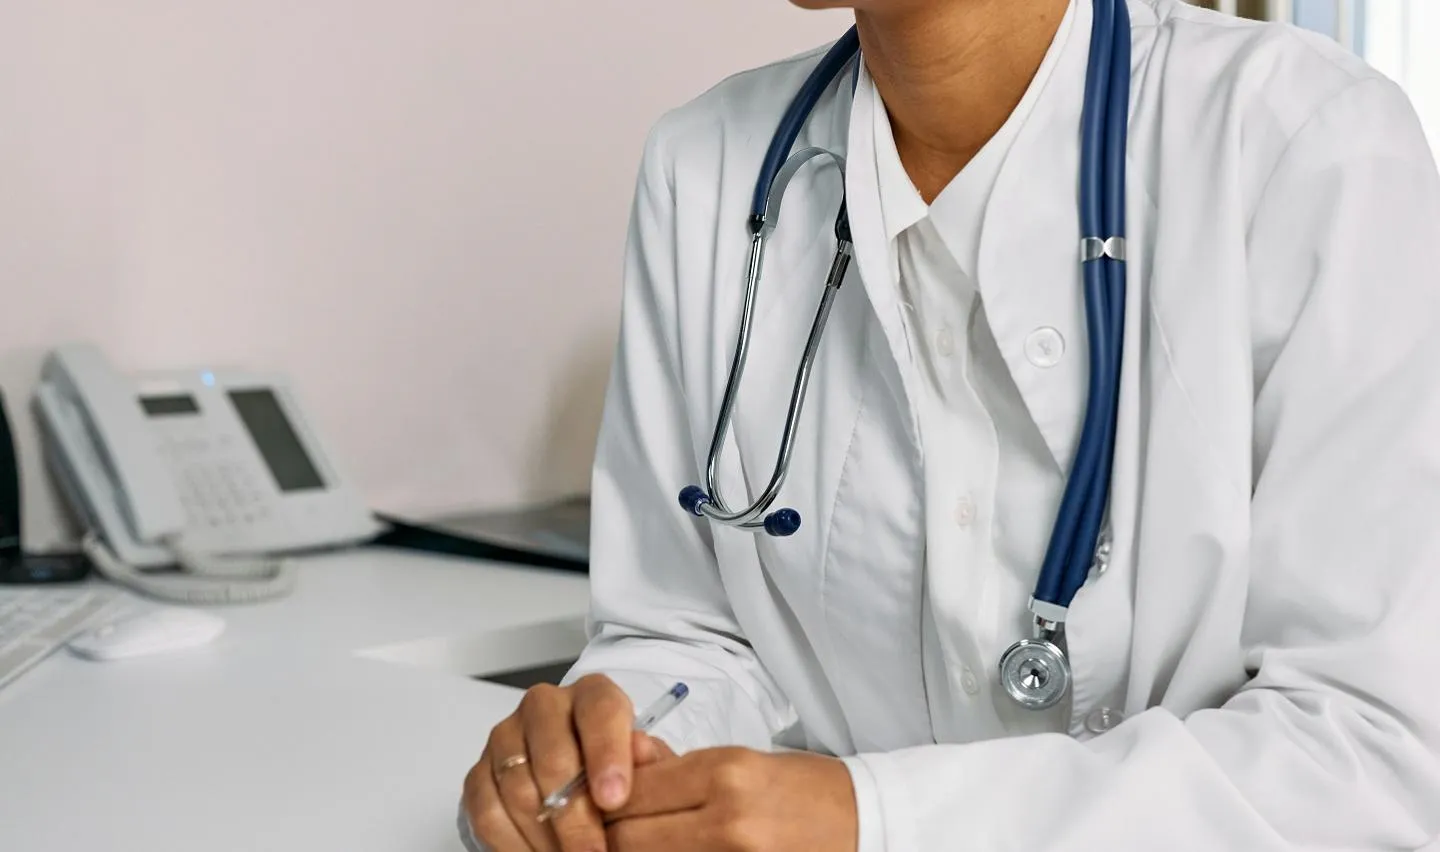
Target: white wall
(1400, 40)
(415, 208)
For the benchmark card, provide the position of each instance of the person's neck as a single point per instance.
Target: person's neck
(951, 74)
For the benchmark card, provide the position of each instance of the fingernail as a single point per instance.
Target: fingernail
(612, 789)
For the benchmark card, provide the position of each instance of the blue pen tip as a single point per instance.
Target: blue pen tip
(680, 690)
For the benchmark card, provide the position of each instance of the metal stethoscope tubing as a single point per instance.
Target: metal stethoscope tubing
(778, 168)
(709, 502)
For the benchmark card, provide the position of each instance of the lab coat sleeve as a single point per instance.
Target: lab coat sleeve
(659, 613)
(1335, 741)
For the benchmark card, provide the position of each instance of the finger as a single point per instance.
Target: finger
(547, 718)
(605, 718)
(648, 749)
(490, 823)
(667, 786)
(518, 792)
(579, 826)
(663, 833)
(663, 747)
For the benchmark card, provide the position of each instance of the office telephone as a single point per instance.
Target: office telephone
(214, 472)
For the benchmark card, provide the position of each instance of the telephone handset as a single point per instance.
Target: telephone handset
(217, 473)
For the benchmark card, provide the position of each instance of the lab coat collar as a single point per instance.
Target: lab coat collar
(1029, 257)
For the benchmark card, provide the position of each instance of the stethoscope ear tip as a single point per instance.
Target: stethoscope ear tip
(779, 523)
(692, 497)
(782, 522)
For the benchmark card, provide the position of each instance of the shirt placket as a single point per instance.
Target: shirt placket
(958, 473)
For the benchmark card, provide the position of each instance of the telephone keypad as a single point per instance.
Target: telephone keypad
(224, 504)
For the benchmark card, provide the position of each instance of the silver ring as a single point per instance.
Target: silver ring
(553, 810)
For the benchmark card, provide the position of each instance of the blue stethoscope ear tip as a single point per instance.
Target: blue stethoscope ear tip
(692, 497)
(782, 522)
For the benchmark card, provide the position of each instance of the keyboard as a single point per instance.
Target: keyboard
(35, 622)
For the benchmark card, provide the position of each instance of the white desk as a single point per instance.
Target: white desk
(341, 718)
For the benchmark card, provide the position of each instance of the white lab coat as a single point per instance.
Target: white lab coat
(1267, 626)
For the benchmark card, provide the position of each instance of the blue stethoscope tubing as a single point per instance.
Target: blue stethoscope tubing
(1104, 129)
(1076, 535)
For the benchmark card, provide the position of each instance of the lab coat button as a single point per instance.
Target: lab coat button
(969, 682)
(1044, 347)
(945, 342)
(1102, 555)
(1102, 719)
(964, 512)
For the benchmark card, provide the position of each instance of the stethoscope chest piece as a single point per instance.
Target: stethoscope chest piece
(1035, 673)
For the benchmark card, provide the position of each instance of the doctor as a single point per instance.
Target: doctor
(1252, 658)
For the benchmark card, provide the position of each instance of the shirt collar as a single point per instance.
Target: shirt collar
(958, 211)
(900, 203)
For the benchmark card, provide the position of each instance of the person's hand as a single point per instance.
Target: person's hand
(538, 749)
(738, 800)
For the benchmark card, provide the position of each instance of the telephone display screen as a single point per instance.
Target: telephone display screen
(164, 406)
(275, 437)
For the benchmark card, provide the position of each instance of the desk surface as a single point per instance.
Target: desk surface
(340, 718)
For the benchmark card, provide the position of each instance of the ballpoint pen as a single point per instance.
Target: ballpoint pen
(647, 720)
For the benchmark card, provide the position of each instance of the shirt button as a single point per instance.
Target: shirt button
(969, 682)
(1044, 347)
(945, 342)
(1102, 719)
(964, 511)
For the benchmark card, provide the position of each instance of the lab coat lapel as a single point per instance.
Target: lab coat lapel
(1029, 265)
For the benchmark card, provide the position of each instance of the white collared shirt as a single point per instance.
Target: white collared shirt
(981, 448)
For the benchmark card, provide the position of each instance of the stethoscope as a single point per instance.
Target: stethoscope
(1034, 671)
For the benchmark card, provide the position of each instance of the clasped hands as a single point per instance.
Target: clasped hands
(640, 796)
